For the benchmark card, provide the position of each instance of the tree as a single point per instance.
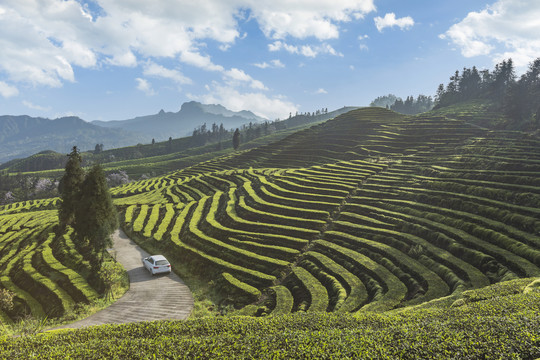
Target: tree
(439, 96)
(383, 101)
(95, 214)
(69, 188)
(522, 98)
(236, 139)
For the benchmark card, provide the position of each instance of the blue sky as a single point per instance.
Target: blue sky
(117, 59)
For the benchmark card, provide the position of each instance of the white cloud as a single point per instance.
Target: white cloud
(145, 86)
(224, 47)
(153, 69)
(306, 50)
(508, 28)
(42, 41)
(257, 102)
(277, 63)
(32, 106)
(390, 20)
(273, 64)
(237, 77)
(196, 59)
(126, 59)
(300, 19)
(7, 90)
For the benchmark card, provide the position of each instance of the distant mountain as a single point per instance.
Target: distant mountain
(192, 114)
(21, 136)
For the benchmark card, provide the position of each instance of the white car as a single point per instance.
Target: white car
(157, 264)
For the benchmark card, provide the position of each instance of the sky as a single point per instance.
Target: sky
(118, 59)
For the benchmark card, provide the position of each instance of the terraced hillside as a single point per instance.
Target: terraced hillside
(369, 211)
(46, 273)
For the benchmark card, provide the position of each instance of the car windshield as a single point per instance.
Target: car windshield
(162, 262)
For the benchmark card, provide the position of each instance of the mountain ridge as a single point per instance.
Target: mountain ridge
(24, 135)
(192, 114)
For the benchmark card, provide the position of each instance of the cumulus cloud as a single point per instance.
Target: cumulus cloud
(235, 76)
(144, 86)
(390, 20)
(198, 60)
(306, 50)
(153, 69)
(7, 90)
(508, 28)
(272, 64)
(42, 41)
(270, 107)
(279, 19)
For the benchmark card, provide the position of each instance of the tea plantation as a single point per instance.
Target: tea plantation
(369, 211)
(359, 232)
(498, 322)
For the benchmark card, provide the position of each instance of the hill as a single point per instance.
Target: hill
(21, 136)
(161, 157)
(370, 212)
(411, 219)
(192, 114)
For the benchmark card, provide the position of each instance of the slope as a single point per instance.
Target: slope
(163, 125)
(162, 157)
(21, 136)
(370, 211)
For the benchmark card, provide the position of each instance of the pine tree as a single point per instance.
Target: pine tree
(95, 216)
(69, 188)
(236, 139)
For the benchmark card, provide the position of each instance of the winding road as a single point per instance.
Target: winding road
(160, 297)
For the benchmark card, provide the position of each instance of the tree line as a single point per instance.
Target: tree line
(204, 135)
(410, 106)
(20, 187)
(518, 99)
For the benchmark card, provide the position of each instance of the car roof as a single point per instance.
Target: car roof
(158, 257)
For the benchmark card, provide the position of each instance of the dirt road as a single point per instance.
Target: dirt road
(149, 297)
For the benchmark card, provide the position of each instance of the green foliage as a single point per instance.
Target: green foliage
(236, 139)
(111, 273)
(70, 187)
(283, 302)
(242, 292)
(95, 214)
(503, 326)
(6, 299)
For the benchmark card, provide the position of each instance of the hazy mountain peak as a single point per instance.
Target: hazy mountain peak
(217, 109)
